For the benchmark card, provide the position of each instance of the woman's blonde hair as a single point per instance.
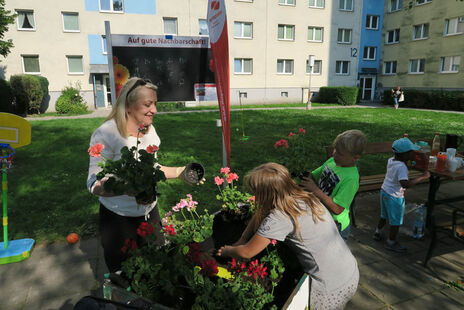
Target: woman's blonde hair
(274, 188)
(127, 98)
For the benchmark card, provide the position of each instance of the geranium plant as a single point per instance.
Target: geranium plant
(233, 200)
(135, 173)
(293, 151)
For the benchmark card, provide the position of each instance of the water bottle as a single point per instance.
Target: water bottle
(107, 290)
(419, 225)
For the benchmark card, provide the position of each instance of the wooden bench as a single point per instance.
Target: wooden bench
(369, 183)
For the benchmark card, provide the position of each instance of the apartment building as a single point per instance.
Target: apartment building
(423, 44)
(269, 42)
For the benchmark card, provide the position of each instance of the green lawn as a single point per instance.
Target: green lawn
(48, 199)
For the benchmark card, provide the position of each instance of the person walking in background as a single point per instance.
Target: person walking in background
(398, 96)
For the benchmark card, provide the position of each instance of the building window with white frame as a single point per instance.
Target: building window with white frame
(31, 64)
(104, 45)
(25, 20)
(285, 66)
(369, 52)
(316, 69)
(70, 21)
(315, 34)
(450, 64)
(396, 5)
(170, 25)
(454, 26)
(420, 32)
(344, 36)
(342, 67)
(75, 65)
(203, 27)
(346, 5)
(116, 6)
(393, 36)
(287, 2)
(243, 66)
(286, 32)
(389, 67)
(243, 30)
(319, 4)
(372, 22)
(417, 66)
(418, 2)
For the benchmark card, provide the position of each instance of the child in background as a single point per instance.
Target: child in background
(392, 193)
(338, 178)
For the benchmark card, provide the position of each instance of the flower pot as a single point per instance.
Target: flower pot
(228, 226)
(145, 198)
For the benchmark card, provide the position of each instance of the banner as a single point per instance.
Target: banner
(217, 26)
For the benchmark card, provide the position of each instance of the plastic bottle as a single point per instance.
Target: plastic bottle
(419, 225)
(107, 290)
(436, 144)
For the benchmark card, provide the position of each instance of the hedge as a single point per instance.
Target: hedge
(342, 95)
(28, 92)
(429, 99)
(6, 97)
(70, 101)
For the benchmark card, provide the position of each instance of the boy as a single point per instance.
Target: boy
(392, 192)
(338, 178)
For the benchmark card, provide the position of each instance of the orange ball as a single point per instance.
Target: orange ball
(72, 238)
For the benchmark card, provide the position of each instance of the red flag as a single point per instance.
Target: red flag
(217, 25)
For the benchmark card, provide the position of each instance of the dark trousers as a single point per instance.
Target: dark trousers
(115, 229)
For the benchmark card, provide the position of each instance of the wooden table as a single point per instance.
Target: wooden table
(434, 185)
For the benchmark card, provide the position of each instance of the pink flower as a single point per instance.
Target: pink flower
(231, 177)
(225, 170)
(152, 149)
(273, 241)
(281, 142)
(96, 149)
(302, 130)
(251, 199)
(291, 134)
(218, 180)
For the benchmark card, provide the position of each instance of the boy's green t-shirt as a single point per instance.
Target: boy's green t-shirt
(340, 183)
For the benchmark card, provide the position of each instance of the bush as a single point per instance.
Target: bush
(6, 97)
(429, 99)
(71, 101)
(28, 93)
(342, 95)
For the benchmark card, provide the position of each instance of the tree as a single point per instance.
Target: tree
(6, 18)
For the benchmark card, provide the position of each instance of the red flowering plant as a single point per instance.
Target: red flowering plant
(233, 200)
(135, 173)
(294, 152)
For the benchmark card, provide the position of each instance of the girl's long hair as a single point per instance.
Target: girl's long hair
(274, 188)
(126, 99)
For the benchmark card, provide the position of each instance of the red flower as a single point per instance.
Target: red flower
(129, 244)
(237, 266)
(142, 127)
(145, 229)
(194, 253)
(209, 268)
(302, 130)
(169, 229)
(255, 270)
(152, 149)
(291, 134)
(281, 142)
(96, 149)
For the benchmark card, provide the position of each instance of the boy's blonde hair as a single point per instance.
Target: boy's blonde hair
(352, 141)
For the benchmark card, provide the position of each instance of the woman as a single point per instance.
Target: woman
(398, 96)
(120, 215)
(287, 213)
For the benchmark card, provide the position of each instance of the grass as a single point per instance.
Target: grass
(48, 199)
(169, 106)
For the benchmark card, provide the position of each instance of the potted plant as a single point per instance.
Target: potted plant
(293, 152)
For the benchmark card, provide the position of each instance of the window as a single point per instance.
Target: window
(420, 32)
(284, 94)
(422, 1)
(203, 27)
(111, 6)
(286, 32)
(316, 4)
(104, 46)
(243, 65)
(450, 64)
(389, 67)
(344, 36)
(342, 67)
(316, 68)
(346, 5)
(454, 25)
(287, 2)
(285, 66)
(170, 25)
(393, 36)
(396, 5)
(31, 64)
(26, 20)
(75, 65)
(369, 52)
(417, 65)
(315, 34)
(243, 30)
(372, 22)
(70, 22)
